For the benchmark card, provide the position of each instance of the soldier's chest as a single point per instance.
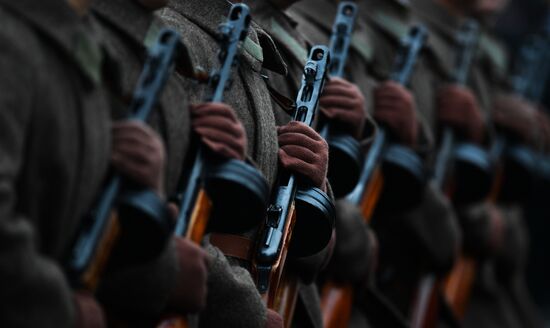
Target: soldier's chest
(66, 154)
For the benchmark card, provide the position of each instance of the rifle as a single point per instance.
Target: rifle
(103, 225)
(213, 185)
(385, 159)
(337, 299)
(425, 310)
(226, 183)
(519, 163)
(469, 163)
(345, 152)
(275, 282)
(345, 156)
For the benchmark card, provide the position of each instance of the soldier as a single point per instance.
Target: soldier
(381, 26)
(487, 228)
(250, 99)
(123, 26)
(56, 147)
(345, 105)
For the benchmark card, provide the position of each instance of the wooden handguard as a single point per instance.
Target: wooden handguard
(459, 283)
(91, 278)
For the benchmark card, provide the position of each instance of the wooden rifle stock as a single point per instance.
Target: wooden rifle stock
(275, 282)
(283, 290)
(458, 284)
(195, 205)
(99, 233)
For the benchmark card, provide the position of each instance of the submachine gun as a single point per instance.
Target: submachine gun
(401, 164)
(531, 80)
(345, 151)
(211, 186)
(463, 172)
(299, 219)
(344, 162)
(520, 165)
(105, 226)
(391, 172)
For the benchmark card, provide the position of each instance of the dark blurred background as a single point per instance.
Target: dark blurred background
(522, 19)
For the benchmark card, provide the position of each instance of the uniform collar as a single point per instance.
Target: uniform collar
(208, 14)
(317, 14)
(55, 20)
(280, 27)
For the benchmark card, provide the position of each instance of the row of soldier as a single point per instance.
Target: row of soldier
(211, 194)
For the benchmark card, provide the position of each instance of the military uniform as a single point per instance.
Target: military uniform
(294, 48)
(490, 304)
(197, 21)
(54, 149)
(381, 26)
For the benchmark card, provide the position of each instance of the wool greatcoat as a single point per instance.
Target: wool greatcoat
(126, 28)
(54, 153)
(497, 300)
(198, 21)
(294, 49)
(123, 26)
(380, 27)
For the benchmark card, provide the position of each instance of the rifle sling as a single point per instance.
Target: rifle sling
(235, 246)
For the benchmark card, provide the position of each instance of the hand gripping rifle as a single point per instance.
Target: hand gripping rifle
(345, 152)
(344, 162)
(518, 164)
(299, 220)
(213, 187)
(228, 184)
(104, 225)
(397, 169)
(470, 167)
(468, 164)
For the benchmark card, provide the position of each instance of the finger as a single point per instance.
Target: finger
(391, 103)
(301, 153)
(133, 127)
(343, 115)
(296, 165)
(131, 169)
(343, 90)
(213, 109)
(223, 150)
(335, 80)
(173, 211)
(293, 138)
(390, 96)
(217, 134)
(339, 101)
(121, 159)
(130, 147)
(300, 128)
(223, 125)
